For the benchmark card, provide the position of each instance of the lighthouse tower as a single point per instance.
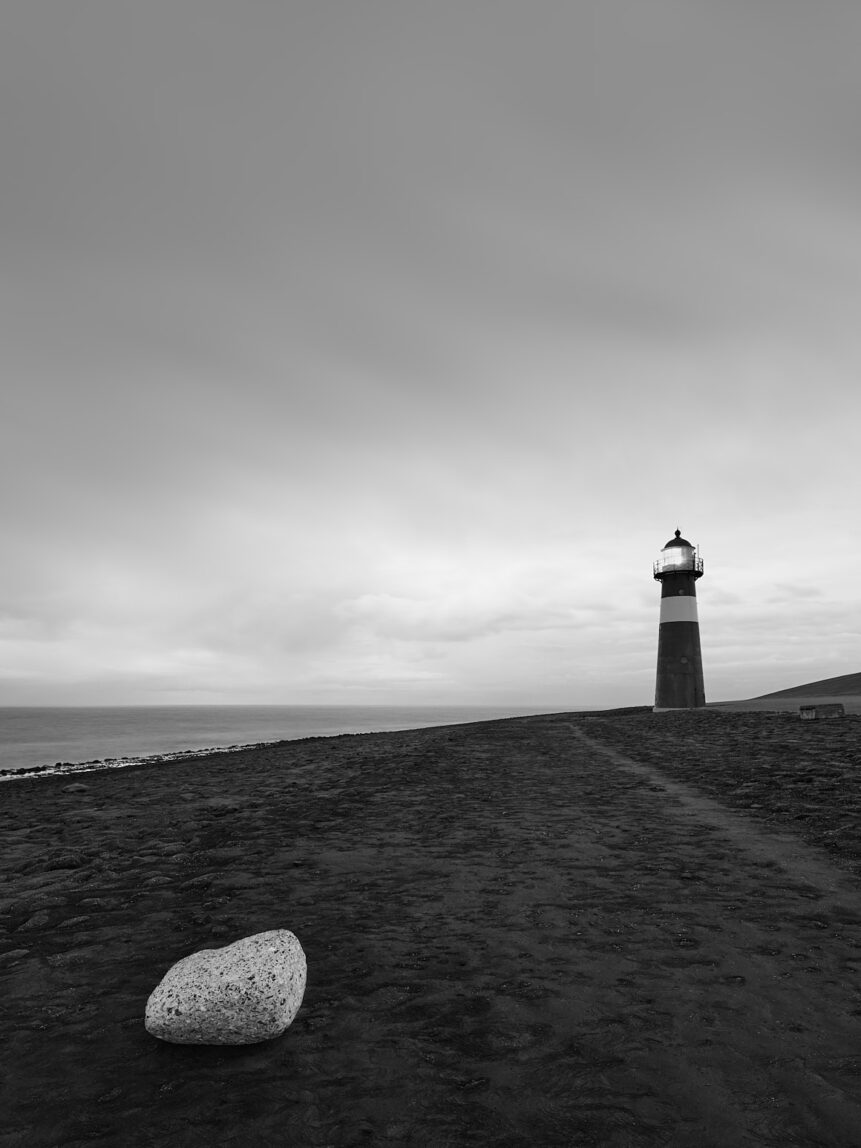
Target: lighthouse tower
(679, 684)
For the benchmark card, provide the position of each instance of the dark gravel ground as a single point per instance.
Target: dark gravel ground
(785, 772)
(524, 933)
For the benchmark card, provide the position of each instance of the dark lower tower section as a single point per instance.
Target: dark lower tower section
(679, 684)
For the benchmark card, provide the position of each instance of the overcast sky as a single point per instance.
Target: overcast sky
(363, 351)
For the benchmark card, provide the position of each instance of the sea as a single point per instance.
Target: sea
(58, 739)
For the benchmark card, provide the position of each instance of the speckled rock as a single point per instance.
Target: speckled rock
(241, 994)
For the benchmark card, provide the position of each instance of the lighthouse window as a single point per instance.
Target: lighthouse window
(677, 560)
(683, 561)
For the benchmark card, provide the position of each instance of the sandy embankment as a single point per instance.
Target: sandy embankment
(518, 933)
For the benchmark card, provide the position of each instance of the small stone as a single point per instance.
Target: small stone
(244, 993)
(64, 861)
(76, 787)
(37, 921)
(13, 955)
(73, 922)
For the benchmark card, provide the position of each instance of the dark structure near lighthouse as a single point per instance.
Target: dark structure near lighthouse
(679, 683)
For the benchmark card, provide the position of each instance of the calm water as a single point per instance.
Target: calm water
(35, 735)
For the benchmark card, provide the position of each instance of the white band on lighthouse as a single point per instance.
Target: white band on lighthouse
(681, 608)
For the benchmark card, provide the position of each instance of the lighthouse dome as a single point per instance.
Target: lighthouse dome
(679, 541)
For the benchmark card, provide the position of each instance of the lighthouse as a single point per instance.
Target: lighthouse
(679, 683)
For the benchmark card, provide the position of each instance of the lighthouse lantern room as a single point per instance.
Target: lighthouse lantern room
(679, 684)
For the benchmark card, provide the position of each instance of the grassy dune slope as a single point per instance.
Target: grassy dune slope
(846, 684)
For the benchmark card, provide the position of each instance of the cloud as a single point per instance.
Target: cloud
(381, 351)
(452, 618)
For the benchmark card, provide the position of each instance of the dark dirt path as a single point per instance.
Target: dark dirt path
(515, 936)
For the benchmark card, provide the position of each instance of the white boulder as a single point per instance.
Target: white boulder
(241, 994)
